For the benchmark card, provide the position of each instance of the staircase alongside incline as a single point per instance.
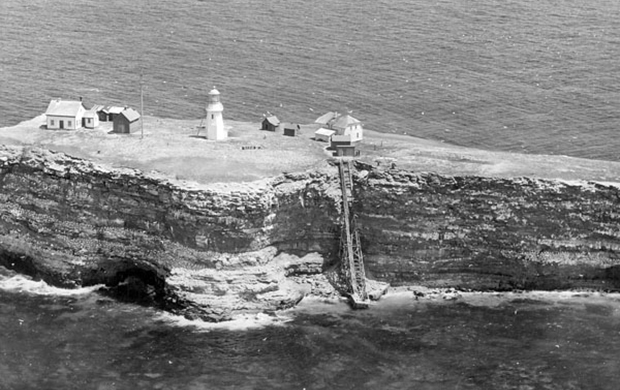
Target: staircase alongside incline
(352, 261)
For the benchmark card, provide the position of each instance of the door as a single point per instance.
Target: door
(61, 124)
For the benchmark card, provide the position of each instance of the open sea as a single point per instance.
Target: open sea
(531, 76)
(60, 339)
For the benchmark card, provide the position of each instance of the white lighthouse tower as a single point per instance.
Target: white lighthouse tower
(215, 122)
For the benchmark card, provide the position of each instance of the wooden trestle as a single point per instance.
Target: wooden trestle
(352, 261)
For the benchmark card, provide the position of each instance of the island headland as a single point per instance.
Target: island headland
(212, 230)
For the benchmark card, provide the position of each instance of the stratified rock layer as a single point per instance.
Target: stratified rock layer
(217, 250)
(489, 233)
(206, 248)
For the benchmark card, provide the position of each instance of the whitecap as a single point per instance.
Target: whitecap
(23, 284)
(238, 323)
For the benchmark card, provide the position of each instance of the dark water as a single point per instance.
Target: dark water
(530, 75)
(55, 339)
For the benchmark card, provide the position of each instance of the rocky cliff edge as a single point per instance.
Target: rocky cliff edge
(214, 251)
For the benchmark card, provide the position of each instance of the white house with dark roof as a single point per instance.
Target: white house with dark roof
(64, 114)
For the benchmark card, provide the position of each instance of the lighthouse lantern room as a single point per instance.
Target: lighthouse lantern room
(215, 122)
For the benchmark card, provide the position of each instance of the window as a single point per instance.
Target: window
(69, 123)
(212, 116)
(51, 122)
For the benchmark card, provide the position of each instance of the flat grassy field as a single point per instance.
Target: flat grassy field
(179, 150)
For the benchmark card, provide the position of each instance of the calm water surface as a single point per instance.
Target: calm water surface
(56, 339)
(528, 76)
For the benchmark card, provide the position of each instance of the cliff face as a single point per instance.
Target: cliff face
(488, 233)
(211, 248)
(217, 250)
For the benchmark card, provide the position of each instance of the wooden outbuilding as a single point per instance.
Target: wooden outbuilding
(98, 109)
(90, 120)
(110, 113)
(126, 122)
(270, 123)
(290, 129)
(324, 134)
(347, 151)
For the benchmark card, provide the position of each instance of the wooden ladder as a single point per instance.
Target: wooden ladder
(351, 256)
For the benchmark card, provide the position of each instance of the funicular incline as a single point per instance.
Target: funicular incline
(352, 261)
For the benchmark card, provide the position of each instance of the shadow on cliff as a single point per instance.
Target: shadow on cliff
(127, 281)
(134, 282)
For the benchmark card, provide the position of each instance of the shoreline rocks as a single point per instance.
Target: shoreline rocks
(214, 251)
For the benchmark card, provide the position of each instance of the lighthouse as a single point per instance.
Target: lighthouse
(215, 122)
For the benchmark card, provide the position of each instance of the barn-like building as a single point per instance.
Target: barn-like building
(270, 123)
(126, 122)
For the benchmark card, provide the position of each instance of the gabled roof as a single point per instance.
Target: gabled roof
(272, 119)
(345, 121)
(131, 114)
(326, 118)
(90, 113)
(326, 132)
(113, 109)
(59, 107)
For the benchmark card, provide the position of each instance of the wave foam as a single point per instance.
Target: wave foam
(239, 323)
(22, 284)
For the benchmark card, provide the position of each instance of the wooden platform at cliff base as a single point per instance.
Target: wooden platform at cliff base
(170, 147)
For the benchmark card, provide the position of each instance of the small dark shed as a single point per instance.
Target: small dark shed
(270, 123)
(126, 122)
(291, 129)
(98, 109)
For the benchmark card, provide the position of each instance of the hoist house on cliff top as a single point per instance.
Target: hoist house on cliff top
(340, 128)
(343, 132)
